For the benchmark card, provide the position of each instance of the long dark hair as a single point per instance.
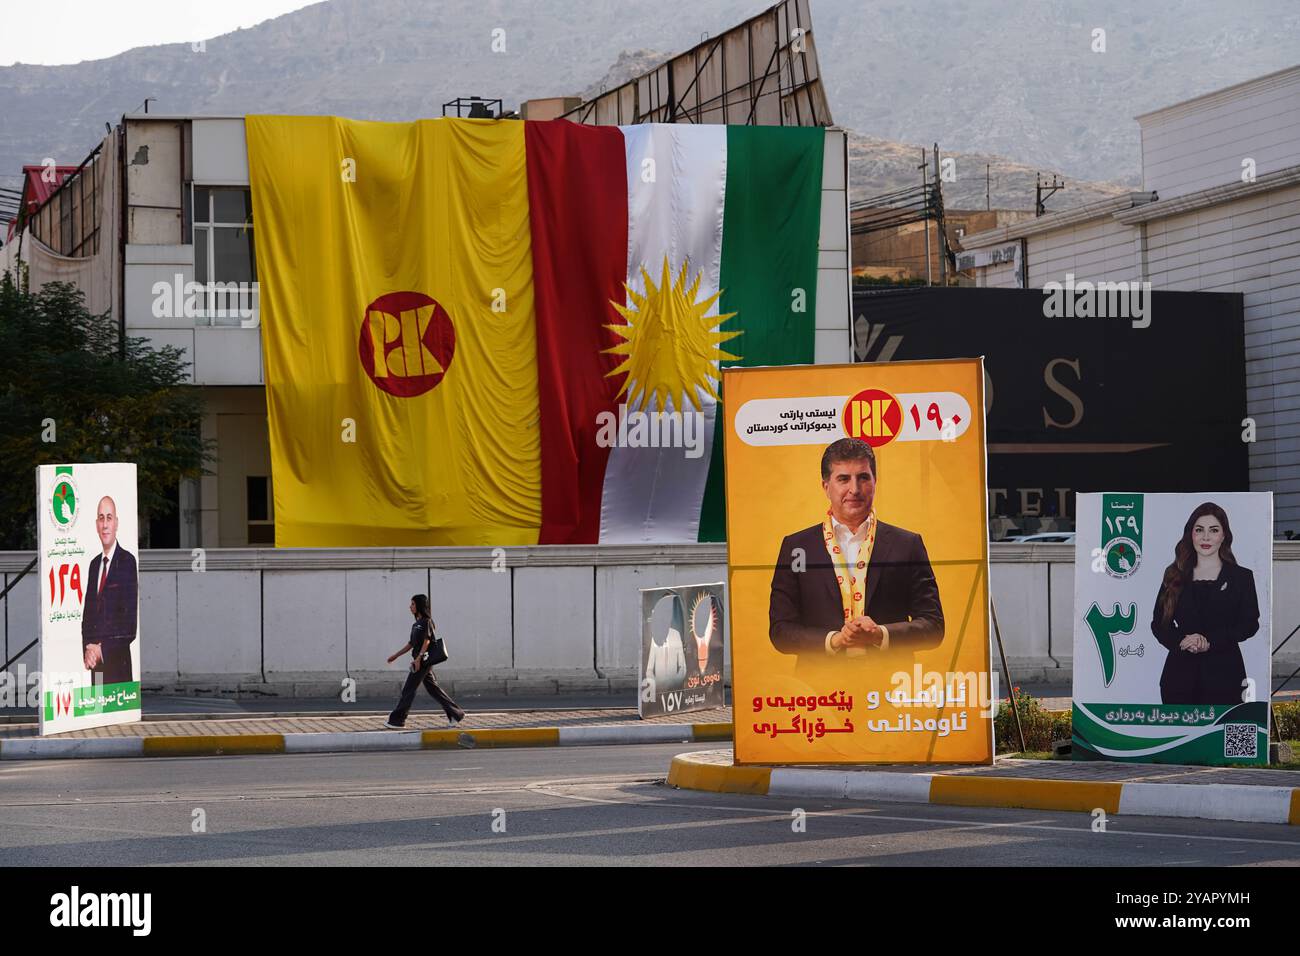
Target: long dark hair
(421, 605)
(1180, 572)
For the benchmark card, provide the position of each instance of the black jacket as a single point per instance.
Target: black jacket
(109, 618)
(1226, 612)
(902, 594)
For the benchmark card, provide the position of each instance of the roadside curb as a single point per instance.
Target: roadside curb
(218, 745)
(1242, 803)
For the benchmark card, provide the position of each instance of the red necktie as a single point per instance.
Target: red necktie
(103, 577)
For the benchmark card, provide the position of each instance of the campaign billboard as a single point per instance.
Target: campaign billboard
(89, 580)
(858, 563)
(1173, 627)
(681, 649)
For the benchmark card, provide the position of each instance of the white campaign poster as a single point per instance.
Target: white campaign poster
(88, 534)
(1173, 627)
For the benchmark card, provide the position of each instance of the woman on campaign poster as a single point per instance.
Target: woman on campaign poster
(1205, 609)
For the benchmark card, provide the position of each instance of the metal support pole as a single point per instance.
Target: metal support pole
(1011, 694)
(1285, 639)
(925, 195)
(18, 655)
(941, 237)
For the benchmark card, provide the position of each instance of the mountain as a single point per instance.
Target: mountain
(878, 166)
(1011, 78)
(629, 65)
(1019, 78)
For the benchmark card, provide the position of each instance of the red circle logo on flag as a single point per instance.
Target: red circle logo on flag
(406, 343)
(874, 416)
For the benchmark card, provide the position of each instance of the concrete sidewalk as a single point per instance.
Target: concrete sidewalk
(1212, 793)
(361, 730)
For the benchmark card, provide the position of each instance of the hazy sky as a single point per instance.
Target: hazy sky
(69, 31)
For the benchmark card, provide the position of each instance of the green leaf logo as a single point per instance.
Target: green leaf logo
(64, 503)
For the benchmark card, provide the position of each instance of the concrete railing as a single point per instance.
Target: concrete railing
(517, 620)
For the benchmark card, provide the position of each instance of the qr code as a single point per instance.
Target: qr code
(1240, 740)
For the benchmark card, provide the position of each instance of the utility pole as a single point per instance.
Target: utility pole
(1040, 197)
(938, 210)
(925, 195)
(987, 181)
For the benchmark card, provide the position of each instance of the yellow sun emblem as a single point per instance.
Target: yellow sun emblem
(671, 345)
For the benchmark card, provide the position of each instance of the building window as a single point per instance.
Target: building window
(225, 261)
(261, 519)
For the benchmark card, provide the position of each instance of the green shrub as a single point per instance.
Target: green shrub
(1041, 727)
(1286, 720)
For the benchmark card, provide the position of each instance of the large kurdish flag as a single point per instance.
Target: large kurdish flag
(484, 332)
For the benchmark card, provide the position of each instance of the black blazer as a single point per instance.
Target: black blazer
(1226, 612)
(109, 618)
(902, 594)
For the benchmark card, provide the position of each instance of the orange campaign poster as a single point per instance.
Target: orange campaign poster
(858, 563)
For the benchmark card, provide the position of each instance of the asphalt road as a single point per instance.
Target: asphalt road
(578, 806)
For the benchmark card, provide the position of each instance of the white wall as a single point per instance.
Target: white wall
(555, 619)
(1100, 249)
(1201, 143)
(1251, 246)
(220, 152)
(831, 331)
(1000, 276)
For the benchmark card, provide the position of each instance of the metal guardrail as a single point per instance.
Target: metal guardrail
(4, 594)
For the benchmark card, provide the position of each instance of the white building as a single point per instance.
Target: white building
(1219, 211)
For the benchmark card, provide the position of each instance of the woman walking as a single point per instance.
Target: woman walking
(421, 669)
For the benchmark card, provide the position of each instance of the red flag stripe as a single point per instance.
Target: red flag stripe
(577, 196)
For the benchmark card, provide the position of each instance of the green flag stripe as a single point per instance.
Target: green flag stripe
(770, 224)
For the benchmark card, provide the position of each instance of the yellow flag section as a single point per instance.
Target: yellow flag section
(395, 275)
(894, 667)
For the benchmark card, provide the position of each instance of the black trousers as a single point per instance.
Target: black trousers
(413, 681)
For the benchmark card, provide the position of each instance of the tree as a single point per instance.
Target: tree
(68, 376)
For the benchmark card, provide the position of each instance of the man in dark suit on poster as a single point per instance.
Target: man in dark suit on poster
(108, 623)
(852, 586)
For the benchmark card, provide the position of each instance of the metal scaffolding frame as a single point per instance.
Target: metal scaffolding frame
(780, 82)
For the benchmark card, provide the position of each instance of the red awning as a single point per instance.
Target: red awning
(38, 186)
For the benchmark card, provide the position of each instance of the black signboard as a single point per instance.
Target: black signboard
(1074, 403)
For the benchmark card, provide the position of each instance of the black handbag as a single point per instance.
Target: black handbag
(437, 653)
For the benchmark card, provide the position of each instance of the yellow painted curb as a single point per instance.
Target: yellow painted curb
(712, 731)
(1025, 792)
(213, 745)
(497, 737)
(718, 778)
(1293, 817)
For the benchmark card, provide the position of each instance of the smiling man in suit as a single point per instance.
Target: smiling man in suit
(108, 623)
(851, 587)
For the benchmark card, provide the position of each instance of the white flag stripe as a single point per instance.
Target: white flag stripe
(655, 494)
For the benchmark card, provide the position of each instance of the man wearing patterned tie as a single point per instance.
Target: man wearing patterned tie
(108, 623)
(852, 586)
